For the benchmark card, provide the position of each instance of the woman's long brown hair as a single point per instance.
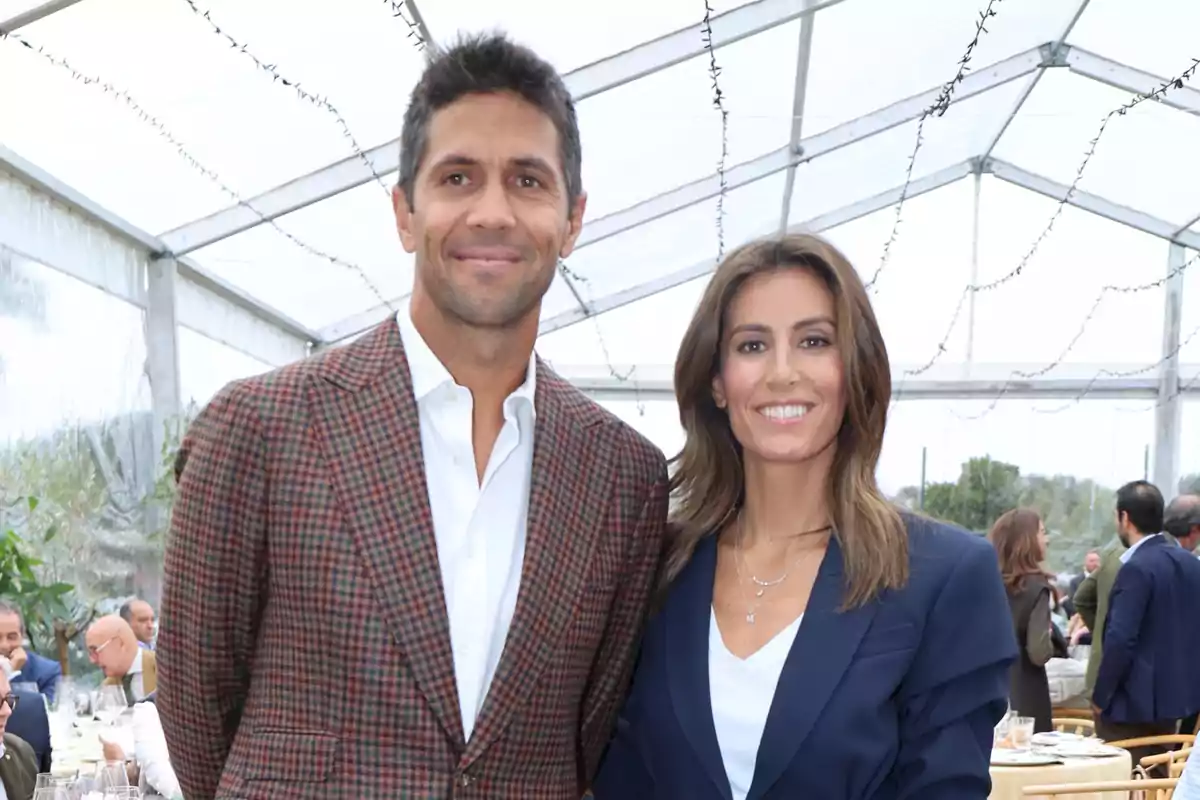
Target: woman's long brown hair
(707, 483)
(1014, 535)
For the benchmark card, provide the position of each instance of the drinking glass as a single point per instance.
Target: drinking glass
(1020, 732)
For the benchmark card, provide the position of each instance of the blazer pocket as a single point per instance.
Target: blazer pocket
(291, 756)
(895, 639)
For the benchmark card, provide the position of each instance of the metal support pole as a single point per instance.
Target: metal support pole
(974, 274)
(162, 348)
(1168, 413)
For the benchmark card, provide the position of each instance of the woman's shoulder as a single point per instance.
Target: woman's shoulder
(937, 549)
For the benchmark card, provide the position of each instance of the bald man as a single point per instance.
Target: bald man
(112, 646)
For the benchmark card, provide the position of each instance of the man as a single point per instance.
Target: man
(1146, 682)
(18, 764)
(1091, 603)
(112, 646)
(1091, 563)
(1182, 521)
(140, 616)
(418, 566)
(29, 670)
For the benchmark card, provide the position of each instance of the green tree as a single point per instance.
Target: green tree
(1077, 512)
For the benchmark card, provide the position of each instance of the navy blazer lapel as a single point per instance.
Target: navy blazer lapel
(687, 618)
(823, 650)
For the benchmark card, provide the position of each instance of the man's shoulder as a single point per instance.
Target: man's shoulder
(636, 452)
(42, 663)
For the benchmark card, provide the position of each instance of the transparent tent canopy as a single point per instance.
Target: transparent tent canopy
(135, 132)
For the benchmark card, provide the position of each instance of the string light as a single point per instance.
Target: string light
(714, 73)
(165, 133)
(313, 99)
(938, 108)
(1169, 85)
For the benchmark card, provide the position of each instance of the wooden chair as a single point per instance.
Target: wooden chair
(1077, 725)
(1156, 789)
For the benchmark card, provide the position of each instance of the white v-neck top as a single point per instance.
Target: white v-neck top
(741, 694)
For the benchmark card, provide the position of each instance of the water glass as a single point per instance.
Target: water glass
(1020, 732)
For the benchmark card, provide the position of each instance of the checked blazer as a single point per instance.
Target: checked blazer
(304, 647)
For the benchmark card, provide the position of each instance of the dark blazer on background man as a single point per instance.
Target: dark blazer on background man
(31, 722)
(895, 699)
(305, 649)
(45, 672)
(1151, 640)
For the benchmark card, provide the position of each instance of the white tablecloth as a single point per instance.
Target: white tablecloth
(1007, 782)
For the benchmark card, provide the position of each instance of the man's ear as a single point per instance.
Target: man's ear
(404, 219)
(574, 224)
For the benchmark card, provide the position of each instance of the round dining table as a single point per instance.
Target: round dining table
(1008, 783)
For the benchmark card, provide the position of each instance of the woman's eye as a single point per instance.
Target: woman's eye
(528, 182)
(751, 347)
(455, 179)
(814, 341)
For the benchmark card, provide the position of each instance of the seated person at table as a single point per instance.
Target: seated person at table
(29, 670)
(149, 762)
(112, 646)
(18, 764)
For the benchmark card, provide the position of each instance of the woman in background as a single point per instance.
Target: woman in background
(811, 643)
(1019, 537)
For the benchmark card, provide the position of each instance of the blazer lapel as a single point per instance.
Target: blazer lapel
(569, 488)
(367, 416)
(687, 619)
(823, 650)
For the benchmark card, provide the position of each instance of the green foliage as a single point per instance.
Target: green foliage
(1190, 484)
(19, 580)
(1077, 513)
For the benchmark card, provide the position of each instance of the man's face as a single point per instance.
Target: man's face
(1091, 562)
(5, 709)
(490, 216)
(141, 619)
(108, 653)
(11, 635)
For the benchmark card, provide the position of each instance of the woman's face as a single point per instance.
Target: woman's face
(781, 379)
(1043, 541)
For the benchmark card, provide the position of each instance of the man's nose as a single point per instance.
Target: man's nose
(492, 207)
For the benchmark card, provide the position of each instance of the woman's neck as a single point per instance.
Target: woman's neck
(783, 500)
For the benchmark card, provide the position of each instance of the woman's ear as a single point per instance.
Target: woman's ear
(718, 390)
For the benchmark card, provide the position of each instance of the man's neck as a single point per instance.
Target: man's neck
(490, 362)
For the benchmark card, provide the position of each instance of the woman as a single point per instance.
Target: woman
(1020, 541)
(812, 643)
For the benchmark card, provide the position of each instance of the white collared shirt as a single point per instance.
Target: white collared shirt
(479, 527)
(135, 669)
(1128, 554)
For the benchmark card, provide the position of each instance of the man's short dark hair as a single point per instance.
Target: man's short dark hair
(1143, 502)
(126, 611)
(1182, 515)
(489, 64)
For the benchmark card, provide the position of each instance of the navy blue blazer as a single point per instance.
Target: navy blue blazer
(895, 699)
(1151, 639)
(45, 672)
(31, 722)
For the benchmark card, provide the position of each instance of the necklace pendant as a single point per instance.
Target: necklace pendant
(759, 593)
(750, 618)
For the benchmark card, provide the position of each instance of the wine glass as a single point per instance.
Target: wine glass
(110, 703)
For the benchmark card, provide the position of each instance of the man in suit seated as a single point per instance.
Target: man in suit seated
(18, 764)
(140, 616)
(1146, 682)
(29, 670)
(112, 646)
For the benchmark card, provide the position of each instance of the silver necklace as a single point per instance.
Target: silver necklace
(739, 557)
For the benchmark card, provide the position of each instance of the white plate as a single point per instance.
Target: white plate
(1088, 748)
(1022, 758)
(1055, 738)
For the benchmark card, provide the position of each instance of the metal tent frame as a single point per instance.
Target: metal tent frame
(46, 221)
